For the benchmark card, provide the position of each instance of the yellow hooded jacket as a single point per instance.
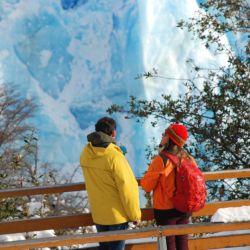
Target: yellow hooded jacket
(111, 186)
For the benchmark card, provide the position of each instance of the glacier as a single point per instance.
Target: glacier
(77, 57)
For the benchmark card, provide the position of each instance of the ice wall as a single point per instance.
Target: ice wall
(77, 57)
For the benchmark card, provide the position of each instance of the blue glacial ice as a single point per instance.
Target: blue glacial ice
(77, 57)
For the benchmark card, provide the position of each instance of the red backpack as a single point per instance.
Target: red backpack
(190, 188)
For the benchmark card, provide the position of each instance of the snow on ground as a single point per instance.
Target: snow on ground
(232, 214)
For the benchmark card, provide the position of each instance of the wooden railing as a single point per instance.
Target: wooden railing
(78, 220)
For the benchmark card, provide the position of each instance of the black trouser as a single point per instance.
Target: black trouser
(173, 217)
(112, 245)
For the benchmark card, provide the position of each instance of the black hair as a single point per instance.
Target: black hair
(106, 125)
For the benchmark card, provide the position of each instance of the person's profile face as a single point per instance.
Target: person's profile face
(164, 139)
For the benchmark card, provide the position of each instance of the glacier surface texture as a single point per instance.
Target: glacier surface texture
(77, 57)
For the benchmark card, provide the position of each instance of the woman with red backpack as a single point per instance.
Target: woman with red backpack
(161, 178)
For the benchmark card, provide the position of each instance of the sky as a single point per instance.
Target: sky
(225, 215)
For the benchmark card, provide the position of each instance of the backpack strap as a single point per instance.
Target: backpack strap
(164, 158)
(172, 158)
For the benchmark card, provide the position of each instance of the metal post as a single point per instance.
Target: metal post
(161, 243)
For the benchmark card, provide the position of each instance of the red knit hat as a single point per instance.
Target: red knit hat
(177, 133)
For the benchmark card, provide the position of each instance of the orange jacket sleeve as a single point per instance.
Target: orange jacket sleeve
(150, 179)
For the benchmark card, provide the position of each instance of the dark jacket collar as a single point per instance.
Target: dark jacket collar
(100, 139)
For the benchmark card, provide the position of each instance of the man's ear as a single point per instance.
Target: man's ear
(113, 134)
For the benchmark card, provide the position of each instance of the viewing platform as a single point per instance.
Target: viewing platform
(229, 239)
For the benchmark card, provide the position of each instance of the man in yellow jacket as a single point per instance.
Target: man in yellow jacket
(110, 183)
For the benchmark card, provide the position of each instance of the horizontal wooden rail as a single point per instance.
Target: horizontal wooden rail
(227, 174)
(124, 235)
(219, 242)
(213, 242)
(244, 173)
(211, 207)
(80, 220)
(42, 190)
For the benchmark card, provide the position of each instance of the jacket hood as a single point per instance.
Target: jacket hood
(99, 145)
(100, 139)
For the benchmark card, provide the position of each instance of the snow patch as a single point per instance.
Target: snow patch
(232, 214)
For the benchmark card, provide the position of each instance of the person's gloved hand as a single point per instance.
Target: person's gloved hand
(136, 223)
